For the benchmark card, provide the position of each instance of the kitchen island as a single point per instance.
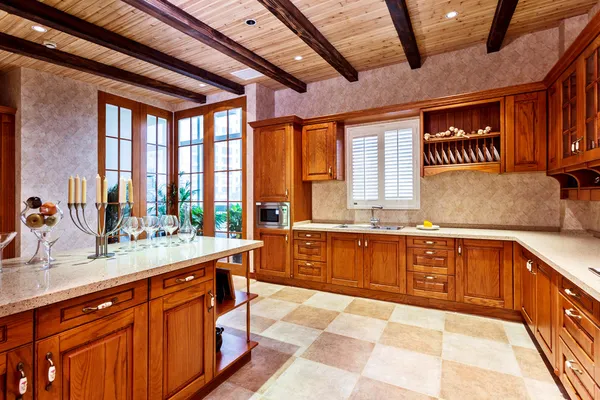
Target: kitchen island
(136, 326)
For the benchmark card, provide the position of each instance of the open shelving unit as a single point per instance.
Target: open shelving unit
(474, 152)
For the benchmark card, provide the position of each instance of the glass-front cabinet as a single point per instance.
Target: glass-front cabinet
(572, 138)
(589, 63)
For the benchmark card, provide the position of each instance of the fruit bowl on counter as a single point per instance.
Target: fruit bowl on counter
(41, 217)
(428, 226)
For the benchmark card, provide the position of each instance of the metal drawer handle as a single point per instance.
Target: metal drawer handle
(430, 252)
(308, 235)
(101, 306)
(51, 371)
(430, 277)
(308, 244)
(330, 171)
(22, 380)
(570, 292)
(186, 279)
(571, 365)
(212, 300)
(308, 264)
(429, 242)
(571, 313)
(528, 265)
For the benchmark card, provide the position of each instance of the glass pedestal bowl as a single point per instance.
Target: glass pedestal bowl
(5, 239)
(41, 218)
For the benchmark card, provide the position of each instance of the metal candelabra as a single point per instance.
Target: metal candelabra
(100, 233)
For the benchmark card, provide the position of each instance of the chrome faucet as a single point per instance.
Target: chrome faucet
(375, 221)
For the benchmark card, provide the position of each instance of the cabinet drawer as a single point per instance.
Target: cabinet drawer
(583, 300)
(430, 285)
(68, 314)
(180, 279)
(310, 250)
(577, 382)
(310, 271)
(430, 242)
(578, 332)
(310, 235)
(435, 261)
(16, 330)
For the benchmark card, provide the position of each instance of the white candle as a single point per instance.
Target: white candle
(98, 189)
(77, 190)
(71, 190)
(130, 186)
(105, 191)
(84, 191)
(121, 190)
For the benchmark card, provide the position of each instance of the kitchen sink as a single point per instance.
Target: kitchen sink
(369, 227)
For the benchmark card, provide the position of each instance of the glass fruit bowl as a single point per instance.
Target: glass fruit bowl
(41, 218)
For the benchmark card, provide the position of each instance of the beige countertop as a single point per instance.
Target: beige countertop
(570, 255)
(24, 287)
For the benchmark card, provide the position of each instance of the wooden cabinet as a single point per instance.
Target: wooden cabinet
(554, 131)
(484, 273)
(181, 342)
(7, 175)
(272, 163)
(103, 359)
(274, 258)
(16, 367)
(569, 118)
(385, 263)
(525, 266)
(546, 307)
(525, 124)
(323, 152)
(588, 67)
(345, 259)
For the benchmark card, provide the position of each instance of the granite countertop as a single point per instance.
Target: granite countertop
(24, 287)
(569, 254)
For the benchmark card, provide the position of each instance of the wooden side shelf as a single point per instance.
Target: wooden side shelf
(491, 167)
(581, 182)
(241, 298)
(233, 348)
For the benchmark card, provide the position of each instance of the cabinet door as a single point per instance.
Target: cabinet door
(322, 148)
(546, 293)
(272, 163)
(554, 131)
(385, 263)
(526, 132)
(590, 60)
(526, 267)
(274, 258)
(181, 342)
(484, 273)
(101, 360)
(345, 259)
(571, 112)
(15, 365)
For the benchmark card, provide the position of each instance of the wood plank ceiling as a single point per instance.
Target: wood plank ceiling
(361, 30)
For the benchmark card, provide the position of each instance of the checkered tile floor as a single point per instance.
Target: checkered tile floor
(316, 345)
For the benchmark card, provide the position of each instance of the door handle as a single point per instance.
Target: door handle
(358, 242)
(51, 371)
(286, 238)
(330, 171)
(459, 250)
(22, 380)
(212, 301)
(366, 242)
(286, 193)
(101, 306)
(186, 279)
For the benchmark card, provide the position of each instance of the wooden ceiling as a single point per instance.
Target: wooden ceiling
(361, 30)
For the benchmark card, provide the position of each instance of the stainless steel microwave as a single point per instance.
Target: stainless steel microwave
(273, 215)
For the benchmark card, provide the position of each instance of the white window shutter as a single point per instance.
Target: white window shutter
(365, 177)
(398, 164)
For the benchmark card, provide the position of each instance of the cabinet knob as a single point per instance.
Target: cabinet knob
(212, 300)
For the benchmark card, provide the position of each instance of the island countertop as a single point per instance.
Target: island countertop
(25, 287)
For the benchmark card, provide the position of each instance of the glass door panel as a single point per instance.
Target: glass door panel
(191, 168)
(156, 165)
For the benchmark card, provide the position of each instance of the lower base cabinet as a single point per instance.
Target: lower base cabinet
(274, 258)
(16, 365)
(345, 259)
(104, 359)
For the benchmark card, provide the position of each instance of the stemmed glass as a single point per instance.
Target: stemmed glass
(134, 226)
(5, 239)
(150, 226)
(48, 239)
(170, 225)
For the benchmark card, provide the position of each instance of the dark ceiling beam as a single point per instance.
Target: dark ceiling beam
(297, 22)
(502, 17)
(190, 25)
(30, 49)
(399, 13)
(41, 13)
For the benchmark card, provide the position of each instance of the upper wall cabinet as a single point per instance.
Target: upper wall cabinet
(272, 169)
(589, 67)
(323, 152)
(526, 132)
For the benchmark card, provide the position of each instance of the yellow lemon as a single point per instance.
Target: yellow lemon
(427, 224)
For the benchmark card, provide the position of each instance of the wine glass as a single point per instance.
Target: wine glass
(135, 226)
(170, 225)
(5, 239)
(47, 239)
(127, 230)
(150, 226)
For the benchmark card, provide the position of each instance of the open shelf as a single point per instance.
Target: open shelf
(241, 298)
(454, 138)
(579, 182)
(233, 348)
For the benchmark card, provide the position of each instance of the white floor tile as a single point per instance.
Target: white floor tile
(329, 301)
(418, 316)
(358, 327)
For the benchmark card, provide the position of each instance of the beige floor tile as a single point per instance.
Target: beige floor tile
(329, 301)
(413, 338)
(230, 391)
(540, 390)
(463, 382)
(264, 289)
(264, 364)
(355, 326)
(306, 379)
(237, 319)
(298, 335)
(370, 308)
(406, 369)
(282, 347)
(273, 309)
(532, 365)
(295, 295)
(340, 352)
(312, 317)
(469, 325)
(483, 353)
(517, 334)
(419, 316)
(239, 282)
(370, 389)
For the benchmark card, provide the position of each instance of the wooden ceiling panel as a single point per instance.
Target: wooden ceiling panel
(361, 30)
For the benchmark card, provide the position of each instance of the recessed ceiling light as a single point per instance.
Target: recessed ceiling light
(203, 85)
(247, 74)
(250, 22)
(298, 58)
(452, 14)
(49, 44)
(38, 28)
